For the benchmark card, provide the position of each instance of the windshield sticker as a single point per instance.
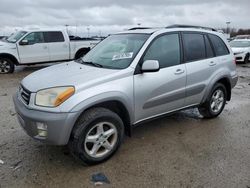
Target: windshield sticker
(126, 55)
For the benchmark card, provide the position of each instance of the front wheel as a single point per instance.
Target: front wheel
(6, 66)
(96, 136)
(246, 59)
(215, 102)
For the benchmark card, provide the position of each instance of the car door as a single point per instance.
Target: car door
(160, 92)
(34, 49)
(200, 65)
(58, 46)
(222, 53)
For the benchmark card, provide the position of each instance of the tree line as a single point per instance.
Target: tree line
(234, 32)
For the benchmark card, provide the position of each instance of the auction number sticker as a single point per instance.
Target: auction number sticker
(126, 55)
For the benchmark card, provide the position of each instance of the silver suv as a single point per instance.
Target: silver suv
(128, 78)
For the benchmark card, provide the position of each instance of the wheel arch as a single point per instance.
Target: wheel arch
(81, 50)
(225, 80)
(116, 106)
(9, 56)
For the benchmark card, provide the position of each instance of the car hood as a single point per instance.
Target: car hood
(236, 50)
(7, 45)
(67, 74)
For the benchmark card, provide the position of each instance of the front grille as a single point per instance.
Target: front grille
(25, 94)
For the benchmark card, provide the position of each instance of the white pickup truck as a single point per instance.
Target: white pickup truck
(41, 46)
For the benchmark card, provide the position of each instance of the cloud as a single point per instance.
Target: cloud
(114, 15)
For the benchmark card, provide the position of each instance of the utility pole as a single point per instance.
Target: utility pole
(88, 31)
(67, 28)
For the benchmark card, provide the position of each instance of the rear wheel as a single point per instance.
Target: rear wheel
(96, 136)
(6, 66)
(215, 102)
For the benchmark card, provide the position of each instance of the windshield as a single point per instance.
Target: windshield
(116, 51)
(16, 36)
(240, 44)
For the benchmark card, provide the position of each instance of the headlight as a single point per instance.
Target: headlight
(53, 97)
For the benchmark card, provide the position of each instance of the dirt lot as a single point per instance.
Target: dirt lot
(182, 150)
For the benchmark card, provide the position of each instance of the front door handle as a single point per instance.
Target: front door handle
(45, 47)
(179, 71)
(212, 63)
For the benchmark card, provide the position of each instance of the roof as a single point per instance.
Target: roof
(43, 29)
(150, 30)
(141, 31)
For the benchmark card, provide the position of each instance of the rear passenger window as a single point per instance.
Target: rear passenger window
(165, 49)
(194, 46)
(220, 47)
(209, 50)
(53, 36)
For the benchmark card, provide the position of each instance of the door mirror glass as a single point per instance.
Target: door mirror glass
(150, 66)
(24, 42)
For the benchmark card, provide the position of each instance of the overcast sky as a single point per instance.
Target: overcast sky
(107, 16)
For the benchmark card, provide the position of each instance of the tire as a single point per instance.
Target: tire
(246, 59)
(96, 148)
(6, 66)
(81, 53)
(213, 105)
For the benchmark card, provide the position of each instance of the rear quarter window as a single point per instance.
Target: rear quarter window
(209, 49)
(53, 36)
(219, 46)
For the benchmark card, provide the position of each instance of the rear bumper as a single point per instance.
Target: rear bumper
(59, 125)
(234, 81)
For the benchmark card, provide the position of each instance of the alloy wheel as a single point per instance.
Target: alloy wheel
(101, 139)
(4, 66)
(217, 100)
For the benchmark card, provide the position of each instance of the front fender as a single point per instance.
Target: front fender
(13, 56)
(105, 97)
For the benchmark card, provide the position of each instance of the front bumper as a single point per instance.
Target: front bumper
(59, 125)
(240, 57)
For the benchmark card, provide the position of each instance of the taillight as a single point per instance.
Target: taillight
(234, 61)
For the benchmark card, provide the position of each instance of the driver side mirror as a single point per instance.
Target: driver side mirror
(150, 66)
(24, 42)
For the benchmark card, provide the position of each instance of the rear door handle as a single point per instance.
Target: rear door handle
(179, 71)
(212, 63)
(45, 47)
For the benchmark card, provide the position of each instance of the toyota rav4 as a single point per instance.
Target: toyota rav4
(128, 78)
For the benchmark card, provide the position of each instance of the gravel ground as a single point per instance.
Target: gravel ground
(182, 150)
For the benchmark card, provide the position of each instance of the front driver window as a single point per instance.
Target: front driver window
(33, 38)
(165, 49)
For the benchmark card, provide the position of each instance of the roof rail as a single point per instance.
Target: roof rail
(135, 28)
(190, 26)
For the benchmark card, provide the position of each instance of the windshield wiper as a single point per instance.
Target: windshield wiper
(89, 63)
